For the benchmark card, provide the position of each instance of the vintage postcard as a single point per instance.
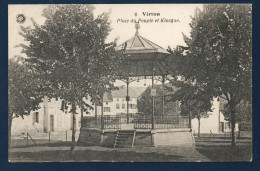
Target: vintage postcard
(130, 83)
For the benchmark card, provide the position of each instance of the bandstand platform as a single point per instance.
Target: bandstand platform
(109, 131)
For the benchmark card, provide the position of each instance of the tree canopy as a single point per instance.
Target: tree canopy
(24, 91)
(218, 56)
(70, 53)
(144, 103)
(69, 48)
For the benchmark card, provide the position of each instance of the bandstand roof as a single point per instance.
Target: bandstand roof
(142, 55)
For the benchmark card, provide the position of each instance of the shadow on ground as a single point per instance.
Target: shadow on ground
(219, 150)
(92, 156)
(216, 150)
(225, 154)
(39, 143)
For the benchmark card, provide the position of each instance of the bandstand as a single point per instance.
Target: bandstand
(143, 59)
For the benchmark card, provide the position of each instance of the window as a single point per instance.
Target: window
(106, 103)
(35, 117)
(132, 106)
(222, 127)
(51, 123)
(123, 99)
(118, 99)
(227, 125)
(117, 106)
(123, 106)
(106, 109)
(177, 106)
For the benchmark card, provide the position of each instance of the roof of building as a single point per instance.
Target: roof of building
(107, 97)
(134, 92)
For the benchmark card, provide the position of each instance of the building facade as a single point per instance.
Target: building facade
(214, 123)
(47, 118)
(115, 103)
(50, 118)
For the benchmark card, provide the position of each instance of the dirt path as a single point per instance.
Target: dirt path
(102, 154)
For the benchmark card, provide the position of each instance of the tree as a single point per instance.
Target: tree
(195, 109)
(219, 55)
(195, 101)
(23, 91)
(69, 50)
(144, 103)
(243, 111)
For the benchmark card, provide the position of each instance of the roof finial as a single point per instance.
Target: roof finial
(137, 26)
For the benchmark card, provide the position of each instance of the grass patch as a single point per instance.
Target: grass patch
(219, 149)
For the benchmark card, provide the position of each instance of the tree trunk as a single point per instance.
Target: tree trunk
(81, 112)
(73, 132)
(199, 127)
(73, 114)
(10, 119)
(102, 113)
(95, 113)
(233, 123)
(190, 119)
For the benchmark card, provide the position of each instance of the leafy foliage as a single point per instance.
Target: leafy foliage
(70, 53)
(23, 88)
(218, 59)
(24, 93)
(243, 111)
(144, 103)
(194, 100)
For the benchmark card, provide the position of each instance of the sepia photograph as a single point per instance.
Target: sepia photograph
(130, 83)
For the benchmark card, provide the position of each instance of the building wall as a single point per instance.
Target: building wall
(208, 124)
(62, 120)
(120, 101)
(213, 122)
(22, 125)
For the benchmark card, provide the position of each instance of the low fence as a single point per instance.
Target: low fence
(161, 122)
(114, 122)
(105, 122)
(57, 138)
(91, 122)
(171, 122)
(142, 122)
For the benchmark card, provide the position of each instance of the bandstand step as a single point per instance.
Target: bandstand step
(125, 139)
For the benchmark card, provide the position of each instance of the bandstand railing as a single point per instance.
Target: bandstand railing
(109, 122)
(171, 122)
(144, 122)
(161, 122)
(112, 122)
(91, 122)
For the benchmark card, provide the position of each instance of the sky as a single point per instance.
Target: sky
(157, 27)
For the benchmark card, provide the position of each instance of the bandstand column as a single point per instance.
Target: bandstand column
(153, 100)
(163, 80)
(127, 100)
(102, 113)
(190, 115)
